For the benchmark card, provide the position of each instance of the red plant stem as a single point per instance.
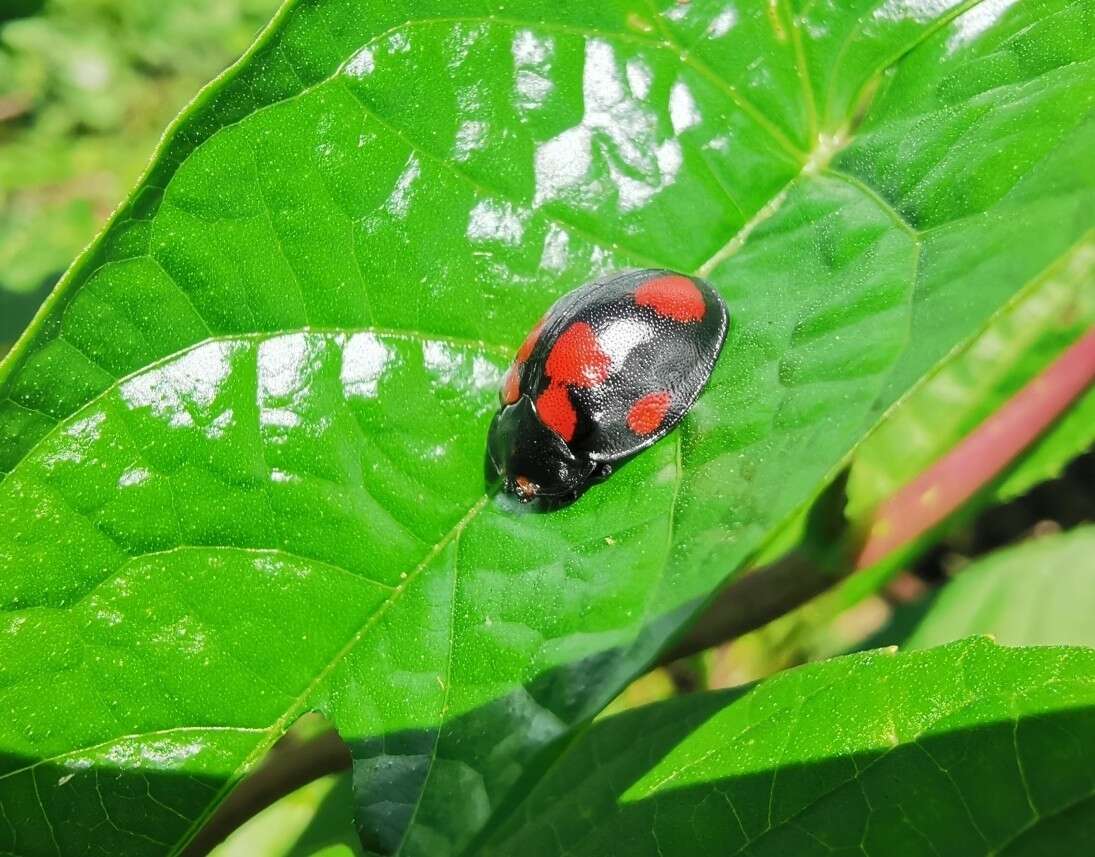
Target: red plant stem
(954, 478)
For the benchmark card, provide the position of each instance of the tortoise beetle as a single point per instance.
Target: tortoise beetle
(611, 368)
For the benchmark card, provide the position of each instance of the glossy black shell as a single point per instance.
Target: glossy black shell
(649, 351)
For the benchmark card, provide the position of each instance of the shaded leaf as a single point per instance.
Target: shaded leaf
(1041, 592)
(969, 749)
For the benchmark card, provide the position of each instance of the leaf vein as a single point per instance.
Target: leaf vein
(132, 736)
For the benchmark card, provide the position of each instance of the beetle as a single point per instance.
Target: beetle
(611, 368)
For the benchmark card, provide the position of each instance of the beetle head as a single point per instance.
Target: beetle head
(531, 460)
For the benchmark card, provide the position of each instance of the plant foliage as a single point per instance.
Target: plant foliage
(242, 444)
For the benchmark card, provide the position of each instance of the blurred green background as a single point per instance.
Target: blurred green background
(86, 89)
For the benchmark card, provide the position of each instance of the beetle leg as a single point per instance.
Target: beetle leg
(601, 473)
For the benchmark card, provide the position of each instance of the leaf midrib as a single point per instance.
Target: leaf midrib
(300, 703)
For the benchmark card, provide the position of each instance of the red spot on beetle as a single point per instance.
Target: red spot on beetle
(557, 412)
(577, 359)
(648, 413)
(672, 296)
(511, 384)
(530, 342)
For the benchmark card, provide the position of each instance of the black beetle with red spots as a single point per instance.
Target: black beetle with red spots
(611, 368)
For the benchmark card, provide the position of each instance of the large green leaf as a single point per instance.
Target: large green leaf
(970, 749)
(1039, 593)
(243, 442)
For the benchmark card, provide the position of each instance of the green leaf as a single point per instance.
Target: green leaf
(243, 442)
(313, 821)
(1040, 593)
(1072, 435)
(969, 749)
(1053, 312)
